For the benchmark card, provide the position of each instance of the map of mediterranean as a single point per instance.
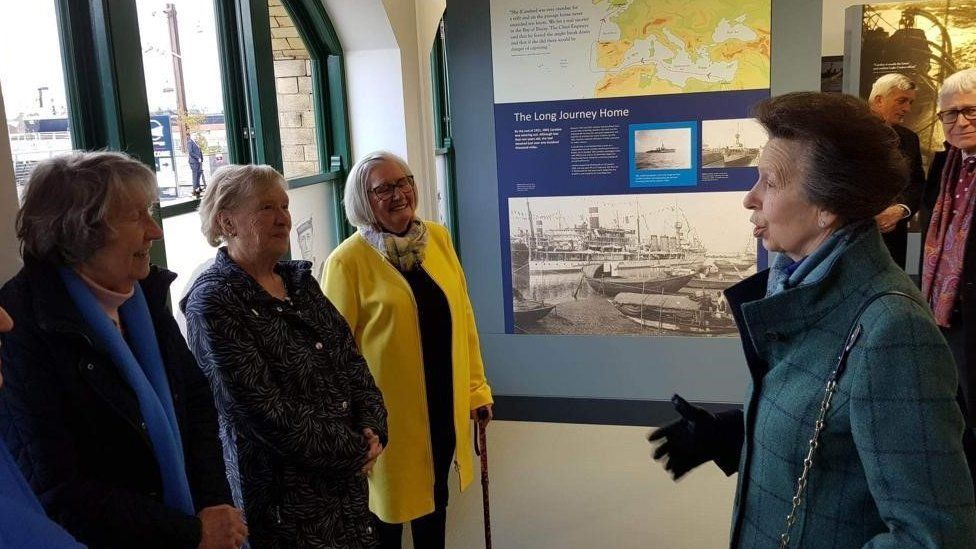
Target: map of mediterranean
(545, 50)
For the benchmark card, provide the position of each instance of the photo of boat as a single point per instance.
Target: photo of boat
(528, 311)
(572, 256)
(677, 312)
(661, 149)
(606, 284)
(732, 143)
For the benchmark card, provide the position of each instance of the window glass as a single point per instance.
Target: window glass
(312, 224)
(293, 84)
(181, 62)
(33, 85)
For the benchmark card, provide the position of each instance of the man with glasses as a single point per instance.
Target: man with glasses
(949, 253)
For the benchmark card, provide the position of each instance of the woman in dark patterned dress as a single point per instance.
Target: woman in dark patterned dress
(301, 420)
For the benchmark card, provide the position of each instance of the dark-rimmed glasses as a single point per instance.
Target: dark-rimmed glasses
(950, 116)
(384, 191)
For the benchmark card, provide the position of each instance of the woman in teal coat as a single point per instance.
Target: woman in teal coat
(887, 469)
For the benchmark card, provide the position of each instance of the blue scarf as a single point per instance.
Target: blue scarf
(141, 365)
(785, 273)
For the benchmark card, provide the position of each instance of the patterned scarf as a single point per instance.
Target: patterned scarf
(945, 243)
(406, 252)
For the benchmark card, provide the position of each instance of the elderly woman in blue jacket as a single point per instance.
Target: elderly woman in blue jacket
(886, 468)
(22, 519)
(301, 420)
(104, 407)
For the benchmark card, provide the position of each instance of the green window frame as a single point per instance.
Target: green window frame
(100, 43)
(443, 140)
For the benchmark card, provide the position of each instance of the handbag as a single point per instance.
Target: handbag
(840, 366)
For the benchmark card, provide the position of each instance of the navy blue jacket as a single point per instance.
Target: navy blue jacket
(74, 425)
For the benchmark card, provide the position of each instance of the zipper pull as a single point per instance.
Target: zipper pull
(277, 515)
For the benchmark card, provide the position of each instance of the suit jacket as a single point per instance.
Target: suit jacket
(75, 427)
(889, 470)
(897, 240)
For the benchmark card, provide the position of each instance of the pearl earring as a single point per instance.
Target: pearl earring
(821, 223)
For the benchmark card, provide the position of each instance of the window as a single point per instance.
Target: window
(181, 63)
(443, 144)
(33, 85)
(293, 87)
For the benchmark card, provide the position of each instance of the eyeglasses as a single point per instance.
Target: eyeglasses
(950, 116)
(384, 191)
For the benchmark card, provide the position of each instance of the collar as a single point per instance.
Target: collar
(784, 315)
(226, 271)
(55, 311)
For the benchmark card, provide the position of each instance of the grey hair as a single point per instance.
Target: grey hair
(68, 199)
(356, 197)
(229, 187)
(963, 81)
(889, 83)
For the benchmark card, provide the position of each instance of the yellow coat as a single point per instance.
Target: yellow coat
(379, 305)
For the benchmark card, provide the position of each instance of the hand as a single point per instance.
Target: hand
(222, 527)
(375, 449)
(483, 413)
(686, 441)
(890, 217)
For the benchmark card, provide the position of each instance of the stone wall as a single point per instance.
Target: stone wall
(293, 81)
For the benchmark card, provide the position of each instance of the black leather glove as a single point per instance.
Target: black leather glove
(689, 441)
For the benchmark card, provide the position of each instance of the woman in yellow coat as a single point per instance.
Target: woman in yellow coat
(399, 284)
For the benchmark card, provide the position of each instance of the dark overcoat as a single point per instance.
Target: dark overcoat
(74, 425)
(889, 470)
(293, 395)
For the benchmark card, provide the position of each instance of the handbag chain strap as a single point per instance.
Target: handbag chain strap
(818, 426)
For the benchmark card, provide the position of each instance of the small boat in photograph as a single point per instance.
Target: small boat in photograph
(677, 312)
(529, 311)
(666, 282)
(660, 150)
(720, 281)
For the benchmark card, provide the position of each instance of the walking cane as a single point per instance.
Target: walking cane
(481, 448)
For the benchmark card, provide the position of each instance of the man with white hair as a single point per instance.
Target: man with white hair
(949, 255)
(891, 99)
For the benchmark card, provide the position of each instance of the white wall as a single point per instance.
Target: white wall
(387, 49)
(9, 249)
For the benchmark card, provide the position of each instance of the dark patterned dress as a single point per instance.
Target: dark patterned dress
(294, 395)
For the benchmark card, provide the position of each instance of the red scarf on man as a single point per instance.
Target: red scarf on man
(945, 243)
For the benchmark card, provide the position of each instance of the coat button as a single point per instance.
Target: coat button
(318, 345)
(90, 366)
(775, 336)
(345, 404)
(143, 425)
(369, 529)
(279, 309)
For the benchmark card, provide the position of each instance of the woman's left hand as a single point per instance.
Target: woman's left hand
(487, 415)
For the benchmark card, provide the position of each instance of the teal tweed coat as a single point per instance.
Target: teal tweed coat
(890, 469)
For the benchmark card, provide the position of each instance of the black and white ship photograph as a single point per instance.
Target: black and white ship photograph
(638, 264)
(733, 143)
(662, 149)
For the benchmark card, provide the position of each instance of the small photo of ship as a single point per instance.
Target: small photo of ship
(662, 149)
(734, 143)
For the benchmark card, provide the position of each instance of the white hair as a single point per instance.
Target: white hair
(963, 81)
(230, 186)
(891, 82)
(356, 198)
